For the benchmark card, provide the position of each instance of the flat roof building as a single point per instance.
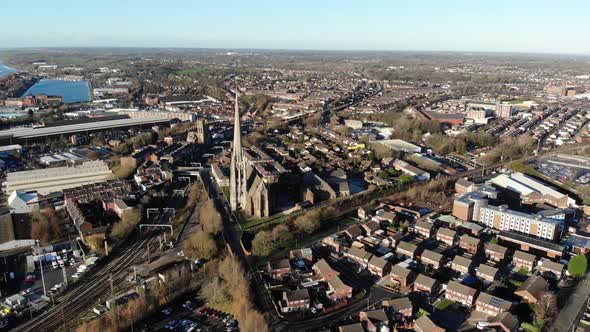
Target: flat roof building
(49, 180)
(532, 191)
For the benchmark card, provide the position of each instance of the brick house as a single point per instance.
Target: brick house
(426, 285)
(487, 273)
(385, 216)
(463, 186)
(403, 276)
(338, 290)
(379, 266)
(461, 264)
(334, 242)
(324, 271)
(550, 268)
(491, 305)
(447, 236)
(278, 269)
(424, 324)
(370, 227)
(431, 258)
(460, 293)
(353, 232)
(402, 307)
(423, 228)
(522, 259)
(407, 249)
(505, 321)
(304, 253)
(469, 244)
(356, 327)
(295, 300)
(495, 252)
(375, 320)
(358, 255)
(532, 289)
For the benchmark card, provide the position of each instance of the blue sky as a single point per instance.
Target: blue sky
(475, 25)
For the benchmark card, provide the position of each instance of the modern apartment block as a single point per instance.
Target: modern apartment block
(474, 206)
(504, 219)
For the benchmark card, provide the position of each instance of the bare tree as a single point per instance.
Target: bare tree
(200, 245)
(210, 218)
(545, 309)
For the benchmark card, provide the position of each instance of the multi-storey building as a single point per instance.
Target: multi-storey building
(504, 219)
(504, 111)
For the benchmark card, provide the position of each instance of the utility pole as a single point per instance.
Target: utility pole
(112, 286)
(63, 269)
(29, 305)
(41, 266)
(83, 253)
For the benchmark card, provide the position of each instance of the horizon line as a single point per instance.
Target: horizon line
(4, 49)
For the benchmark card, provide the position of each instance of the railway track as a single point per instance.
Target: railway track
(85, 294)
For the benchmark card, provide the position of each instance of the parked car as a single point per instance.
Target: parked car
(188, 305)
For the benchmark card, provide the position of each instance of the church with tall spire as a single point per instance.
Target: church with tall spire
(237, 184)
(254, 176)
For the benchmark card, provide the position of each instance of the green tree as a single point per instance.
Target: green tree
(577, 266)
(263, 244)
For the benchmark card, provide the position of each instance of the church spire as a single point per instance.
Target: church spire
(237, 169)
